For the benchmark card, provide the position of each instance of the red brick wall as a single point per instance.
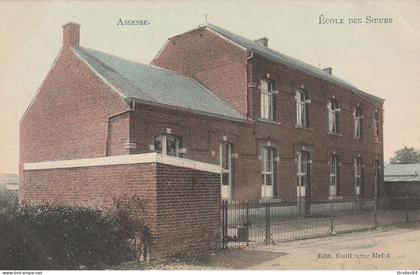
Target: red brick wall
(200, 53)
(213, 61)
(183, 205)
(58, 128)
(201, 135)
(188, 211)
(70, 111)
(68, 119)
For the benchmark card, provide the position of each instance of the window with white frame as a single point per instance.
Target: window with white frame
(301, 108)
(226, 163)
(358, 174)
(267, 159)
(333, 116)
(167, 145)
(267, 99)
(333, 163)
(357, 114)
(302, 172)
(376, 125)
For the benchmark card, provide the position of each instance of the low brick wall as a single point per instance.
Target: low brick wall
(182, 204)
(401, 189)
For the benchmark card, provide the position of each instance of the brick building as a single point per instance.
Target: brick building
(276, 127)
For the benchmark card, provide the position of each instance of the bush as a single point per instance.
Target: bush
(63, 237)
(8, 200)
(131, 215)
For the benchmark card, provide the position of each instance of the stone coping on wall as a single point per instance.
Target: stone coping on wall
(124, 159)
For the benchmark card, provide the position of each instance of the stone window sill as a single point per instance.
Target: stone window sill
(303, 128)
(335, 134)
(263, 200)
(269, 121)
(335, 198)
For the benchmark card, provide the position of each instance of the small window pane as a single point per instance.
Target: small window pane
(158, 144)
(225, 178)
(226, 151)
(171, 146)
(302, 165)
(269, 179)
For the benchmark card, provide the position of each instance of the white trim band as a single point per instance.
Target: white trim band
(124, 159)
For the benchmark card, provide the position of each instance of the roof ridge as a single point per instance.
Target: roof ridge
(300, 64)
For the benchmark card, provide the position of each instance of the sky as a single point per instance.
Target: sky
(382, 59)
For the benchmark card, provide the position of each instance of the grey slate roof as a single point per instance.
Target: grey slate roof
(156, 86)
(402, 172)
(275, 56)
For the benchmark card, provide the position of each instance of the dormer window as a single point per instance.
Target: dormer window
(267, 99)
(302, 102)
(333, 116)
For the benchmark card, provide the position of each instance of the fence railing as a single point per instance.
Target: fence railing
(246, 223)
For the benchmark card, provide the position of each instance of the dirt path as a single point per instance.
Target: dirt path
(394, 249)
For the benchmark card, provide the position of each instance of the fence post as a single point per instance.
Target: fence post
(267, 222)
(406, 209)
(376, 214)
(332, 217)
(224, 224)
(247, 223)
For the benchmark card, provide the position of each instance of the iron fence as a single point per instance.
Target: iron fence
(265, 222)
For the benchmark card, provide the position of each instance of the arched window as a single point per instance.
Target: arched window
(267, 99)
(358, 117)
(376, 125)
(303, 161)
(334, 175)
(358, 175)
(167, 144)
(226, 174)
(333, 116)
(267, 172)
(301, 108)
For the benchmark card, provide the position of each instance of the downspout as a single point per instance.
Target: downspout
(129, 144)
(249, 85)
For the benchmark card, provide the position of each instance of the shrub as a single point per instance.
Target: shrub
(63, 237)
(131, 215)
(8, 200)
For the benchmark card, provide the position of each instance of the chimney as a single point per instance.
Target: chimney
(71, 35)
(328, 70)
(263, 41)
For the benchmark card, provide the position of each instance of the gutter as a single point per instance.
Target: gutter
(177, 108)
